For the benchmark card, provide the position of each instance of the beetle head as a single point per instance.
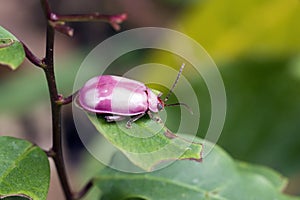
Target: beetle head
(160, 104)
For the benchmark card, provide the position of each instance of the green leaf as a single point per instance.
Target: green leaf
(147, 143)
(217, 177)
(12, 52)
(24, 169)
(275, 178)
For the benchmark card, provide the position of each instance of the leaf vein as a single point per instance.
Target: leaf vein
(15, 163)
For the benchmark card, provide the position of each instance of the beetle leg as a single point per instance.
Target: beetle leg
(114, 118)
(133, 119)
(155, 118)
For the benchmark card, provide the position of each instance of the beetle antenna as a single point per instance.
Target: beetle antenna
(175, 82)
(181, 104)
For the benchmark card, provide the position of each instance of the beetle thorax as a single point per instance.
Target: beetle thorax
(155, 104)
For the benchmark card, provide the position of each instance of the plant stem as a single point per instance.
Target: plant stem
(32, 58)
(55, 107)
(67, 100)
(114, 20)
(84, 190)
(57, 22)
(56, 115)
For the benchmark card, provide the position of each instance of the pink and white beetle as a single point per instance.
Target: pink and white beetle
(120, 97)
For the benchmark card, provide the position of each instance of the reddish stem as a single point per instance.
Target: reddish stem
(32, 58)
(114, 20)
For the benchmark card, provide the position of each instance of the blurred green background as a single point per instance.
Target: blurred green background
(255, 44)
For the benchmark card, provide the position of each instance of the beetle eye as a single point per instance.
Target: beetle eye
(159, 106)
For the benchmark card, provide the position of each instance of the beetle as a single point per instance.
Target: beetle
(119, 97)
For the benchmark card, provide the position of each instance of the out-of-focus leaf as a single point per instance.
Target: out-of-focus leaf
(263, 103)
(147, 143)
(12, 52)
(24, 170)
(229, 29)
(217, 177)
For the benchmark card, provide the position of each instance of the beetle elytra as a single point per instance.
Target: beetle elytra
(119, 97)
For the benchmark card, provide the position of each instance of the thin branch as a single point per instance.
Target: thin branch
(32, 58)
(58, 21)
(84, 190)
(63, 28)
(67, 100)
(56, 116)
(50, 153)
(46, 8)
(114, 20)
(55, 108)
(59, 26)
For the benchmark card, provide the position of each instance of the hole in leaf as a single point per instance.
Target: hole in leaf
(16, 197)
(6, 42)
